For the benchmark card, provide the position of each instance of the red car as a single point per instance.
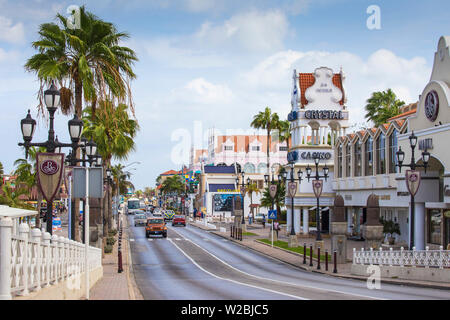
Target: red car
(179, 220)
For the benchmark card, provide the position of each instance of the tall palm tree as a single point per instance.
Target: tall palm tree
(268, 121)
(381, 106)
(113, 131)
(1, 174)
(250, 190)
(284, 127)
(11, 196)
(87, 61)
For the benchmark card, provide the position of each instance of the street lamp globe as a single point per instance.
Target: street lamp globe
(325, 171)
(52, 97)
(316, 160)
(308, 171)
(98, 161)
(285, 175)
(75, 128)
(400, 156)
(28, 125)
(300, 174)
(413, 140)
(248, 181)
(91, 148)
(425, 157)
(266, 178)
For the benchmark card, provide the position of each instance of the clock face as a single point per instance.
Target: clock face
(432, 105)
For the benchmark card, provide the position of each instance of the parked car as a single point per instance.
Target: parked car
(179, 220)
(156, 226)
(140, 219)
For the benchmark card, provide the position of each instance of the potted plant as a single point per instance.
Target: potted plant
(390, 228)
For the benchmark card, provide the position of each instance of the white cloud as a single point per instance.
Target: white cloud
(271, 78)
(200, 91)
(9, 32)
(253, 31)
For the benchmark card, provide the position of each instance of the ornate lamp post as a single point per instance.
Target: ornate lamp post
(52, 145)
(317, 187)
(243, 190)
(412, 177)
(292, 190)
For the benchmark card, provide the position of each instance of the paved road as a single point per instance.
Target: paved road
(193, 264)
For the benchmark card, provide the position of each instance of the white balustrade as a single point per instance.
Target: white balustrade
(404, 258)
(33, 260)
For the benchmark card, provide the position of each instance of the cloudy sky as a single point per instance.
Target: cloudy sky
(216, 63)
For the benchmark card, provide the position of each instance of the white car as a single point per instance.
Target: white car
(259, 217)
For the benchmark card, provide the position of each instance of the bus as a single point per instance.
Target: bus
(133, 205)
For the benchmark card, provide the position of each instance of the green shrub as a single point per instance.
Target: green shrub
(108, 248)
(112, 233)
(110, 241)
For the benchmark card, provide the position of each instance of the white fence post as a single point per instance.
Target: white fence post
(24, 232)
(36, 235)
(47, 261)
(6, 225)
(55, 257)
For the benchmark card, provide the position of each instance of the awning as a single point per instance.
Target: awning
(6, 211)
(222, 187)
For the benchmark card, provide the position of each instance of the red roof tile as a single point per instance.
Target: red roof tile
(306, 80)
(405, 114)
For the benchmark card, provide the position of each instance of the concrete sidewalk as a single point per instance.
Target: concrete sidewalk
(114, 285)
(295, 259)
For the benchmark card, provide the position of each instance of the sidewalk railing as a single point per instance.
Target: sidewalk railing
(34, 260)
(404, 258)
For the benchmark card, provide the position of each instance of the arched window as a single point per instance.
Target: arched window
(348, 159)
(249, 168)
(393, 148)
(381, 154)
(221, 164)
(357, 158)
(368, 150)
(340, 159)
(238, 168)
(262, 168)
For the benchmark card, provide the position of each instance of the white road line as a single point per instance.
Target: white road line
(132, 240)
(234, 281)
(283, 282)
(150, 239)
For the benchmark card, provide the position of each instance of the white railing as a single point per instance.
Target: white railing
(34, 260)
(404, 258)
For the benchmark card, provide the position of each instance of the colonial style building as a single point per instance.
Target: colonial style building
(366, 164)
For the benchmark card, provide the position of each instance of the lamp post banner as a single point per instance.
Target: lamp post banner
(317, 187)
(412, 181)
(292, 188)
(273, 190)
(50, 170)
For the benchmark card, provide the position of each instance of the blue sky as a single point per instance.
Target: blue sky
(213, 63)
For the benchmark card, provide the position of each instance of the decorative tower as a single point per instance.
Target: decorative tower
(318, 118)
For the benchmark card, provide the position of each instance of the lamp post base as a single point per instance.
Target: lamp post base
(293, 241)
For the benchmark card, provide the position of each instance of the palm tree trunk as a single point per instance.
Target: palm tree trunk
(268, 151)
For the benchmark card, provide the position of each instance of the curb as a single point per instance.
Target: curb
(342, 276)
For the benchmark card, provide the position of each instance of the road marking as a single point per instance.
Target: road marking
(132, 240)
(283, 282)
(150, 239)
(234, 281)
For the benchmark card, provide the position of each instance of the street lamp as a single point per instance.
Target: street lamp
(413, 166)
(28, 126)
(242, 189)
(292, 190)
(317, 186)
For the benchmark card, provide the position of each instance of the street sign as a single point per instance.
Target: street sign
(317, 187)
(272, 214)
(57, 224)
(412, 181)
(95, 182)
(273, 190)
(292, 189)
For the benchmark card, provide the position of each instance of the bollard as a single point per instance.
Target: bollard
(310, 255)
(318, 258)
(335, 262)
(326, 260)
(240, 233)
(304, 253)
(231, 231)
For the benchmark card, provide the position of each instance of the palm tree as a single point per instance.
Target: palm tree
(113, 131)
(382, 106)
(11, 196)
(250, 190)
(284, 126)
(268, 121)
(88, 63)
(88, 60)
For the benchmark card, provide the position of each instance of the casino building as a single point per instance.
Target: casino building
(318, 119)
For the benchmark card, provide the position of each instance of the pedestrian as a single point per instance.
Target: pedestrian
(250, 218)
(264, 221)
(276, 227)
